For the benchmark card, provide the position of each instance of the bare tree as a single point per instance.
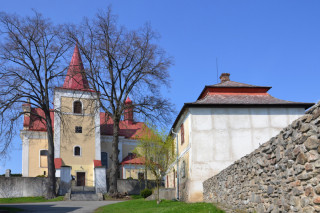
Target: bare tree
(120, 63)
(30, 54)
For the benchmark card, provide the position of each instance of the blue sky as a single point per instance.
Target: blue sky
(268, 43)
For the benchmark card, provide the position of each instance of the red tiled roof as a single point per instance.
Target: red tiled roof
(58, 163)
(127, 129)
(235, 94)
(133, 159)
(97, 163)
(76, 78)
(234, 84)
(35, 122)
(242, 99)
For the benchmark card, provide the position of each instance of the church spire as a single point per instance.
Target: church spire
(76, 78)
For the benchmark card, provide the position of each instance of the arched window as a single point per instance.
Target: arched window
(77, 151)
(77, 107)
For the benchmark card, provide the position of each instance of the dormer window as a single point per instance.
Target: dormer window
(77, 107)
(77, 151)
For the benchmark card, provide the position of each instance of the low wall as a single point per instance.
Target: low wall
(164, 193)
(133, 187)
(22, 186)
(282, 175)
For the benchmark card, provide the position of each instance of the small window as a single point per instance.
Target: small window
(78, 129)
(77, 151)
(182, 134)
(77, 107)
(104, 159)
(43, 158)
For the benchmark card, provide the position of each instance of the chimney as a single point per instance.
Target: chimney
(224, 77)
(128, 111)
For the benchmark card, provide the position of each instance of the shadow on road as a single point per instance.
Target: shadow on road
(42, 208)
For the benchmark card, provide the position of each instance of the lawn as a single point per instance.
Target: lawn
(166, 206)
(28, 199)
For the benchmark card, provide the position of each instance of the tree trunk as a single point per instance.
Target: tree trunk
(145, 173)
(146, 177)
(113, 190)
(51, 185)
(158, 196)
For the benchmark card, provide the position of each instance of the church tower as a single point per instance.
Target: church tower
(77, 124)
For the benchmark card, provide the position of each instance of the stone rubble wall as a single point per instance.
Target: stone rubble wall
(282, 175)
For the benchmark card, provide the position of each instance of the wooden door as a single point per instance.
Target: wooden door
(81, 176)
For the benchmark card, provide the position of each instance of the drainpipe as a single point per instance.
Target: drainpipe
(176, 134)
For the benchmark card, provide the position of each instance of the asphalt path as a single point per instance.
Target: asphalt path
(61, 206)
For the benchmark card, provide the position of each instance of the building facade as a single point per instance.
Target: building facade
(228, 121)
(82, 134)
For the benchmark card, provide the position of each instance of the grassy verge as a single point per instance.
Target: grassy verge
(10, 209)
(166, 206)
(29, 199)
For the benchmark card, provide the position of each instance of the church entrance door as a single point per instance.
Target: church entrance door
(81, 176)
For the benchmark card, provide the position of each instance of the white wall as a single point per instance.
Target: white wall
(221, 136)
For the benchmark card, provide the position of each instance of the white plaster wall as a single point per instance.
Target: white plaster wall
(221, 136)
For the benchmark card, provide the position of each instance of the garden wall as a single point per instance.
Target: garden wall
(133, 187)
(282, 175)
(22, 186)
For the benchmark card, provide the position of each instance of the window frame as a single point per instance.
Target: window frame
(75, 129)
(107, 159)
(182, 134)
(40, 158)
(80, 151)
(73, 108)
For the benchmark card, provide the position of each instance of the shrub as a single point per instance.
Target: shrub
(129, 178)
(146, 193)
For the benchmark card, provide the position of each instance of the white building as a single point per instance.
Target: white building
(228, 121)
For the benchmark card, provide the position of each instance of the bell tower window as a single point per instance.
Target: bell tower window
(77, 151)
(77, 107)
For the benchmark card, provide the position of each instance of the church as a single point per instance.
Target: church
(82, 134)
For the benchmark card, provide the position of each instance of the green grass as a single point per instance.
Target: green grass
(134, 197)
(166, 206)
(29, 199)
(10, 209)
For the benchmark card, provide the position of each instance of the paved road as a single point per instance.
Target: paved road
(61, 206)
